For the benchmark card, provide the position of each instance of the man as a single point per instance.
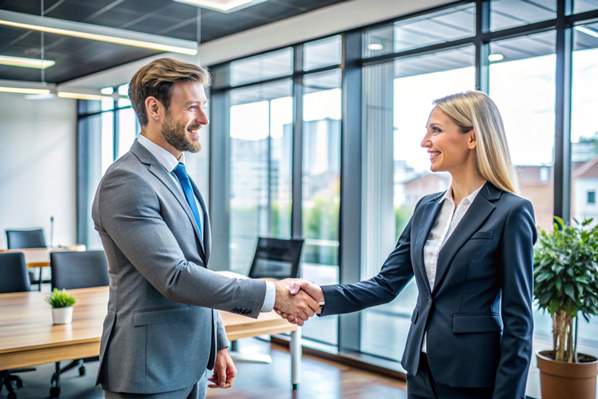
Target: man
(161, 332)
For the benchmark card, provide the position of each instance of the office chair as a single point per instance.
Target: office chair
(27, 238)
(76, 270)
(14, 279)
(274, 258)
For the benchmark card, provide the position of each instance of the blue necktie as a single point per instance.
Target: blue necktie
(181, 174)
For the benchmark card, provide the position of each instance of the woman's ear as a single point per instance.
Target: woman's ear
(471, 139)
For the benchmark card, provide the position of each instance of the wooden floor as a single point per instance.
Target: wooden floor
(322, 379)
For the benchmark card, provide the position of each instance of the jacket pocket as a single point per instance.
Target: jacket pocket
(464, 323)
(159, 316)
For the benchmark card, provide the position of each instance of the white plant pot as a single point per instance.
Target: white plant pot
(62, 315)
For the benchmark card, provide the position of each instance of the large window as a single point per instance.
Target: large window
(396, 171)
(526, 65)
(321, 188)
(260, 120)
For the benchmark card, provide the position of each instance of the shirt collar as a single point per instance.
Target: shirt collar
(469, 199)
(166, 159)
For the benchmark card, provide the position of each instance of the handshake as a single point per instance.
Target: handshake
(297, 300)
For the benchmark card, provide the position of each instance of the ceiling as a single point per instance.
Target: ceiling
(79, 57)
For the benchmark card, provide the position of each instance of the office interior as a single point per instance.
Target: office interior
(317, 109)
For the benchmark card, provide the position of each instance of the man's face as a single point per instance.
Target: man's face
(185, 116)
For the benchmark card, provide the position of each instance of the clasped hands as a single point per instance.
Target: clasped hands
(297, 300)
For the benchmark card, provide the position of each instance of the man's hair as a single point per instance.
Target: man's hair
(156, 80)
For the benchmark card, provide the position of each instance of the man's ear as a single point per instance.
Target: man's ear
(153, 108)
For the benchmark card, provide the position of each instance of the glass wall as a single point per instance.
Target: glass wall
(260, 120)
(321, 188)
(527, 65)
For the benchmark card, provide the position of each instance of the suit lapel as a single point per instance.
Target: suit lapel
(162, 175)
(207, 240)
(424, 224)
(475, 216)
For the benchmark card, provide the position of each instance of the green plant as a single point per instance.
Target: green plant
(60, 299)
(566, 281)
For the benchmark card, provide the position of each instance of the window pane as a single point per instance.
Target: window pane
(98, 131)
(322, 53)
(260, 123)
(321, 189)
(260, 67)
(528, 68)
(509, 13)
(123, 91)
(584, 147)
(107, 103)
(127, 130)
(437, 27)
(396, 171)
(584, 5)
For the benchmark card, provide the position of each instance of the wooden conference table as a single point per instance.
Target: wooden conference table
(28, 338)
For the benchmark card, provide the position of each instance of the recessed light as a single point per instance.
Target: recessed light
(25, 62)
(225, 6)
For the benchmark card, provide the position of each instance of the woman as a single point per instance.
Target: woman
(470, 250)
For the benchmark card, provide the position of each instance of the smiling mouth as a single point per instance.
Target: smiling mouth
(433, 155)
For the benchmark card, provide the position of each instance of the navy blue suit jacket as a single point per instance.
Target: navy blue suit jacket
(478, 315)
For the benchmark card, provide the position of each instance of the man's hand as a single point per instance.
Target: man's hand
(224, 370)
(298, 305)
(300, 286)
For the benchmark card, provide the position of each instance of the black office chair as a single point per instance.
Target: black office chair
(14, 279)
(274, 258)
(27, 238)
(76, 270)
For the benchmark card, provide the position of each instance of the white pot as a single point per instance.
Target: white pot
(62, 315)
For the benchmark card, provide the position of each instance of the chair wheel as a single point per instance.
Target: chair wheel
(11, 395)
(82, 371)
(54, 392)
(19, 383)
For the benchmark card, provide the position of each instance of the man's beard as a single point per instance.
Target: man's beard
(175, 134)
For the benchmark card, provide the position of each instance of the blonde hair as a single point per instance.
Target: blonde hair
(475, 110)
(156, 80)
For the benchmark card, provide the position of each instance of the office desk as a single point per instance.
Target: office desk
(28, 338)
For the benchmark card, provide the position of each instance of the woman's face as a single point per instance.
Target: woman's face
(448, 148)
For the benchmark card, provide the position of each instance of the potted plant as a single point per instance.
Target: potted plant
(566, 285)
(62, 306)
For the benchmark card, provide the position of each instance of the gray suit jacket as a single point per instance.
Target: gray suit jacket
(160, 333)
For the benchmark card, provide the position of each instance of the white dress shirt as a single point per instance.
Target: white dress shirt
(443, 227)
(169, 162)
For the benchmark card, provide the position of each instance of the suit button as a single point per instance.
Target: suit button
(430, 300)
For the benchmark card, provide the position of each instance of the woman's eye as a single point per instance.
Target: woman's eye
(436, 130)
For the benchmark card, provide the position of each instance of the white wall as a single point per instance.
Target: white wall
(37, 166)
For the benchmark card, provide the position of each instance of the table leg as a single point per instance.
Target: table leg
(296, 358)
(40, 279)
